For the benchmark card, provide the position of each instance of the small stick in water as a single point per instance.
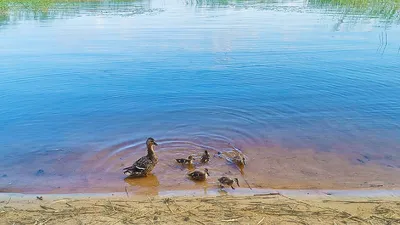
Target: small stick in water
(241, 172)
(126, 191)
(247, 183)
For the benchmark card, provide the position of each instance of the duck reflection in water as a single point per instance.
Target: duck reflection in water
(144, 185)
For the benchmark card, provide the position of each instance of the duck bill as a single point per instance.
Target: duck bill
(155, 144)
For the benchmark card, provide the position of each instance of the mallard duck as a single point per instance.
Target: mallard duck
(188, 161)
(228, 181)
(199, 175)
(205, 157)
(144, 165)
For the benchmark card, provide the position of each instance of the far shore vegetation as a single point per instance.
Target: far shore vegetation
(386, 10)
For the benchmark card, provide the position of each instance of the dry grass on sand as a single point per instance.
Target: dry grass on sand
(260, 209)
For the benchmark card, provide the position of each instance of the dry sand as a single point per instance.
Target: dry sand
(220, 209)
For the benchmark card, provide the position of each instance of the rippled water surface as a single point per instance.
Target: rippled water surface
(83, 84)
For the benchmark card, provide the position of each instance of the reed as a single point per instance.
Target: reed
(12, 11)
(7, 6)
(388, 10)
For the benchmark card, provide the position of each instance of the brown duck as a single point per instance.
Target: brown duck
(188, 161)
(199, 175)
(239, 160)
(144, 165)
(228, 181)
(205, 157)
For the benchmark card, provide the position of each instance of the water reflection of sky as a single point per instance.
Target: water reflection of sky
(296, 74)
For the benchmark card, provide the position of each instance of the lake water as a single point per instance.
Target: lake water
(83, 85)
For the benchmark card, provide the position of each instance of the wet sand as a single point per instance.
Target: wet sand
(262, 208)
(271, 168)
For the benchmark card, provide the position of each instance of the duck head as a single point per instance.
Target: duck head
(150, 143)
(206, 171)
(237, 182)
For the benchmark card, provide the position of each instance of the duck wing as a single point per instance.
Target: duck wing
(181, 160)
(139, 166)
(224, 180)
(205, 158)
(196, 174)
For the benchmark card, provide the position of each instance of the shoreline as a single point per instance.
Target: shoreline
(309, 193)
(260, 207)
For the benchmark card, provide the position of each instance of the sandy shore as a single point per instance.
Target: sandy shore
(221, 208)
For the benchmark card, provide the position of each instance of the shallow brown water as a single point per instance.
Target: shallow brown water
(272, 168)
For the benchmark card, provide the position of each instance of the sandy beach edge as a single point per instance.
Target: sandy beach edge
(299, 193)
(240, 206)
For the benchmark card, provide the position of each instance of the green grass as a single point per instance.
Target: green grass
(15, 10)
(8, 6)
(385, 9)
(388, 10)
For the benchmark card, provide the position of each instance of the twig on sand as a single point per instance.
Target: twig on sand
(299, 201)
(46, 207)
(230, 220)
(112, 206)
(189, 211)
(140, 217)
(46, 221)
(37, 222)
(200, 222)
(267, 194)
(349, 202)
(8, 201)
(261, 221)
(169, 208)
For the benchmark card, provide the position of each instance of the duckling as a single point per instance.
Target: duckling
(144, 165)
(228, 181)
(199, 175)
(188, 161)
(239, 160)
(205, 157)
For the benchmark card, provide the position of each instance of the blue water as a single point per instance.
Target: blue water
(285, 73)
